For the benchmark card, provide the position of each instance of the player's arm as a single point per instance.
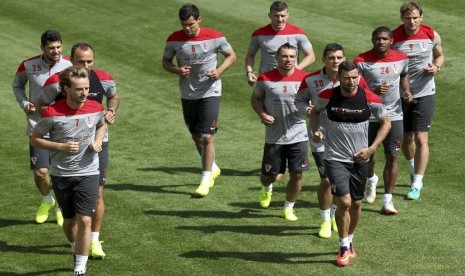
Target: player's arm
(169, 66)
(405, 86)
(315, 125)
(229, 60)
(37, 140)
(96, 145)
(364, 154)
(257, 106)
(438, 56)
(249, 64)
(19, 90)
(112, 106)
(309, 59)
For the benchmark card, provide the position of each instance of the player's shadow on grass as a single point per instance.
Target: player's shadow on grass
(198, 170)
(275, 230)
(246, 213)
(39, 249)
(262, 257)
(37, 273)
(12, 222)
(165, 189)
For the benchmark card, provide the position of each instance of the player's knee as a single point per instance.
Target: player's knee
(41, 174)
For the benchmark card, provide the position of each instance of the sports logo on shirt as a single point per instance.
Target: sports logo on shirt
(296, 87)
(205, 46)
(90, 121)
(395, 67)
(424, 46)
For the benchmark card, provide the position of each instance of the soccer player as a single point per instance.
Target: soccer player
(348, 108)
(311, 86)
(77, 128)
(385, 70)
(196, 50)
(422, 45)
(101, 85)
(35, 71)
(286, 133)
(267, 39)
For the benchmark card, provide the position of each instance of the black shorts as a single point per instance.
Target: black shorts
(39, 158)
(275, 156)
(201, 116)
(320, 163)
(393, 141)
(418, 115)
(103, 164)
(347, 178)
(76, 194)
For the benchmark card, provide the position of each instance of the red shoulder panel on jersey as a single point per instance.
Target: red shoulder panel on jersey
(425, 32)
(102, 75)
(326, 94)
(372, 97)
(61, 108)
(288, 30)
(52, 80)
(205, 34)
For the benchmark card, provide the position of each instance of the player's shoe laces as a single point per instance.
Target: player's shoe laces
(353, 254)
(414, 193)
(264, 198)
(343, 256)
(370, 190)
(325, 229)
(216, 171)
(59, 217)
(42, 212)
(333, 224)
(388, 208)
(96, 251)
(204, 188)
(289, 214)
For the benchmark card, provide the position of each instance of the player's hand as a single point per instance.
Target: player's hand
(251, 78)
(408, 97)
(110, 117)
(317, 136)
(184, 71)
(213, 74)
(363, 155)
(431, 69)
(383, 88)
(95, 146)
(70, 147)
(267, 119)
(29, 109)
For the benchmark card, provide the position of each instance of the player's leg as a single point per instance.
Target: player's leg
(96, 250)
(271, 168)
(40, 162)
(372, 180)
(325, 198)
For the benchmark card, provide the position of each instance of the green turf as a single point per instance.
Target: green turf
(153, 224)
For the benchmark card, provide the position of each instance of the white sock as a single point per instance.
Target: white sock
(215, 166)
(325, 214)
(206, 176)
(387, 198)
(269, 188)
(81, 262)
(417, 181)
(333, 210)
(351, 238)
(95, 236)
(344, 242)
(48, 198)
(373, 180)
(73, 246)
(411, 165)
(288, 205)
